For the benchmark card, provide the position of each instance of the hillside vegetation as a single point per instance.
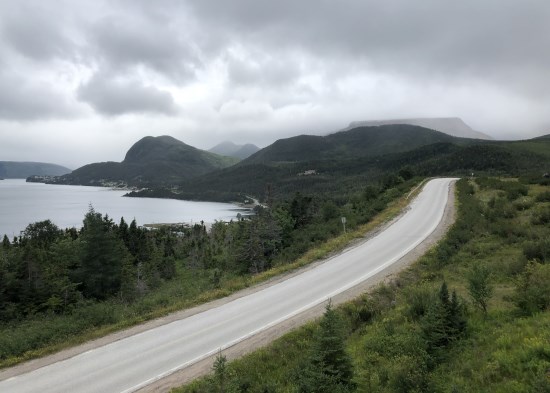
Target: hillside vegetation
(347, 161)
(354, 143)
(152, 161)
(472, 315)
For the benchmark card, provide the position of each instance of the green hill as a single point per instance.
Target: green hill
(311, 165)
(357, 142)
(22, 170)
(152, 161)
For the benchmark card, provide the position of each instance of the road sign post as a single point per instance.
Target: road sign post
(344, 223)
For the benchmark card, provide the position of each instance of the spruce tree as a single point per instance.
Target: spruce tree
(102, 256)
(329, 367)
(444, 322)
(220, 376)
(6, 242)
(457, 318)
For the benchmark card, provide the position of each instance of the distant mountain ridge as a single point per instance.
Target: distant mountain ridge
(161, 160)
(231, 149)
(453, 126)
(315, 165)
(357, 142)
(24, 169)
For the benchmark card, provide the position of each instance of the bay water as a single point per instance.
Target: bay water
(23, 203)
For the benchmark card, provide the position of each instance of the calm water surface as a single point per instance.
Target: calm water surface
(23, 203)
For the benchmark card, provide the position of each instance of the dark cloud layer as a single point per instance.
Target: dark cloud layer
(257, 70)
(117, 97)
(491, 39)
(26, 100)
(123, 43)
(31, 30)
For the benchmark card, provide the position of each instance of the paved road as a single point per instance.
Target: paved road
(134, 362)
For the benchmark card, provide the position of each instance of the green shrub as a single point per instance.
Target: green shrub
(514, 190)
(533, 288)
(539, 250)
(360, 312)
(500, 208)
(408, 374)
(419, 298)
(479, 286)
(541, 216)
(523, 204)
(543, 196)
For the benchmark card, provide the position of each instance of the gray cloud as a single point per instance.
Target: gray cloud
(30, 30)
(258, 70)
(22, 99)
(111, 97)
(498, 40)
(262, 69)
(133, 41)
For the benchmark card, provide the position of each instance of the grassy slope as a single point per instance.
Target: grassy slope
(503, 351)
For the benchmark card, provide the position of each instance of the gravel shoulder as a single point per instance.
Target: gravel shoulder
(261, 339)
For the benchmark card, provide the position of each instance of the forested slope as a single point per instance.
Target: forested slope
(336, 176)
(152, 161)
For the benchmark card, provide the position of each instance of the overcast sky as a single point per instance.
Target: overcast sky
(81, 81)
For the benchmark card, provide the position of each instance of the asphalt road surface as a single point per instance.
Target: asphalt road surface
(136, 361)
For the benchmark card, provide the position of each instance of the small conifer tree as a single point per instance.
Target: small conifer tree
(220, 372)
(444, 321)
(329, 368)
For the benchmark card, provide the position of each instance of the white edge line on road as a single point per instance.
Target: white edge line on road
(296, 312)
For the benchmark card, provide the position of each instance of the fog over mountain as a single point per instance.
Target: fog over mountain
(231, 149)
(22, 170)
(448, 125)
(80, 82)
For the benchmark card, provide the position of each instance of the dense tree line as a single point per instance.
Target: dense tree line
(50, 270)
(280, 233)
(47, 269)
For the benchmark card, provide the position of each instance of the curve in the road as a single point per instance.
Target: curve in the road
(131, 363)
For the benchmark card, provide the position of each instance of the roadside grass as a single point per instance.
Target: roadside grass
(29, 339)
(501, 356)
(504, 350)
